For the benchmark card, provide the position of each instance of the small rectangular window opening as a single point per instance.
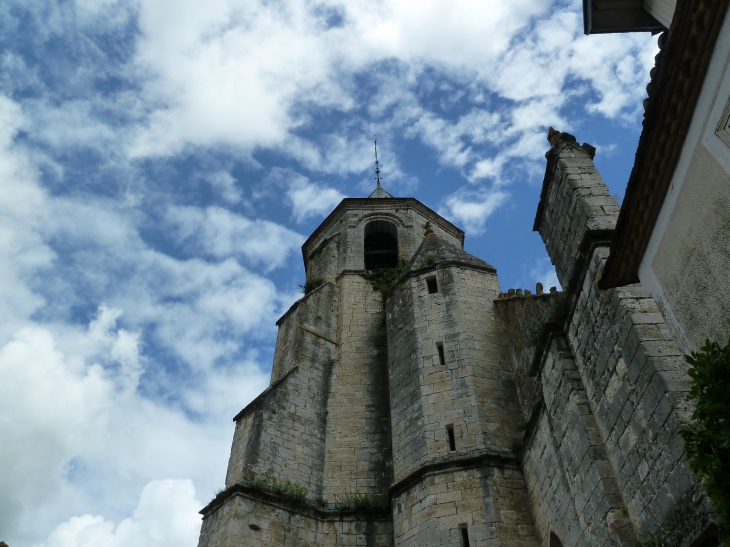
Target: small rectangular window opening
(431, 285)
(452, 440)
(442, 357)
(464, 535)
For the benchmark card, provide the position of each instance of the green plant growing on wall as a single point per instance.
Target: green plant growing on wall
(431, 257)
(383, 280)
(533, 327)
(311, 284)
(288, 489)
(707, 438)
(685, 519)
(662, 537)
(523, 419)
(367, 503)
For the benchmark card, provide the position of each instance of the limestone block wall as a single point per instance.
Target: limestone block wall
(254, 518)
(472, 391)
(489, 501)
(551, 499)
(282, 431)
(523, 316)
(582, 454)
(478, 486)
(357, 446)
(575, 203)
(324, 259)
(636, 383)
(308, 331)
(615, 394)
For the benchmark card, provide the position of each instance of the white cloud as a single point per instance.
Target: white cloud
(220, 233)
(473, 209)
(78, 430)
(309, 200)
(225, 185)
(50, 406)
(166, 516)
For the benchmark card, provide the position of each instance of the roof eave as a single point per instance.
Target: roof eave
(681, 67)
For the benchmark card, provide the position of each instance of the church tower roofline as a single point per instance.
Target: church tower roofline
(376, 205)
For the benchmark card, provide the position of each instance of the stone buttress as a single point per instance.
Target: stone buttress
(602, 380)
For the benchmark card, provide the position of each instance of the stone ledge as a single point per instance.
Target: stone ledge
(295, 305)
(253, 404)
(496, 459)
(303, 508)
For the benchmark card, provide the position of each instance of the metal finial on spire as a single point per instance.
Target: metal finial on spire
(377, 164)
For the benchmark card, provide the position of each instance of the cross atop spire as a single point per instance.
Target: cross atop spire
(377, 163)
(378, 192)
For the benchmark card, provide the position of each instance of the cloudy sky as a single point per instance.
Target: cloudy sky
(161, 163)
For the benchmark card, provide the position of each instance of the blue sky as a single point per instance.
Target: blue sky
(161, 163)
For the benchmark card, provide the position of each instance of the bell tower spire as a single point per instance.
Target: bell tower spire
(377, 163)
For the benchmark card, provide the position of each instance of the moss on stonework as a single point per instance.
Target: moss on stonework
(287, 489)
(366, 503)
(383, 280)
(311, 284)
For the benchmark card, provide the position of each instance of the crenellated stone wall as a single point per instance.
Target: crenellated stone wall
(605, 386)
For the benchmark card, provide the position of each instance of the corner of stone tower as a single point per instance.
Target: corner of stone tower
(576, 212)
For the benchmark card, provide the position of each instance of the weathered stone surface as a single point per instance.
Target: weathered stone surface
(463, 413)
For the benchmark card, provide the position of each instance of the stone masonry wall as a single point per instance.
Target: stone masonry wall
(357, 451)
(636, 383)
(489, 501)
(472, 391)
(615, 396)
(282, 432)
(258, 519)
(582, 454)
(550, 497)
(478, 485)
(575, 202)
(308, 331)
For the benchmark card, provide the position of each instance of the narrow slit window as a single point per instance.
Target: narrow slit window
(432, 285)
(464, 535)
(442, 357)
(452, 440)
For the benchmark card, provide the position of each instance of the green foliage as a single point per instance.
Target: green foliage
(431, 257)
(707, 438)
(383, 280)
(686, 518)
(532, 328)
(268, 483)
(523, 419)
(663, 537)
(367, 503)
(311, 284)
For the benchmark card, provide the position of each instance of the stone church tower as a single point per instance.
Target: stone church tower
(397, 418)
(447, 413)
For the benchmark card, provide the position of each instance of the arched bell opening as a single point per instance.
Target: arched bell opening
(381, 245)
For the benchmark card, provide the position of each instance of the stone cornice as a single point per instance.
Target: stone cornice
(304, 508)
(492, 458)
(677, 79)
